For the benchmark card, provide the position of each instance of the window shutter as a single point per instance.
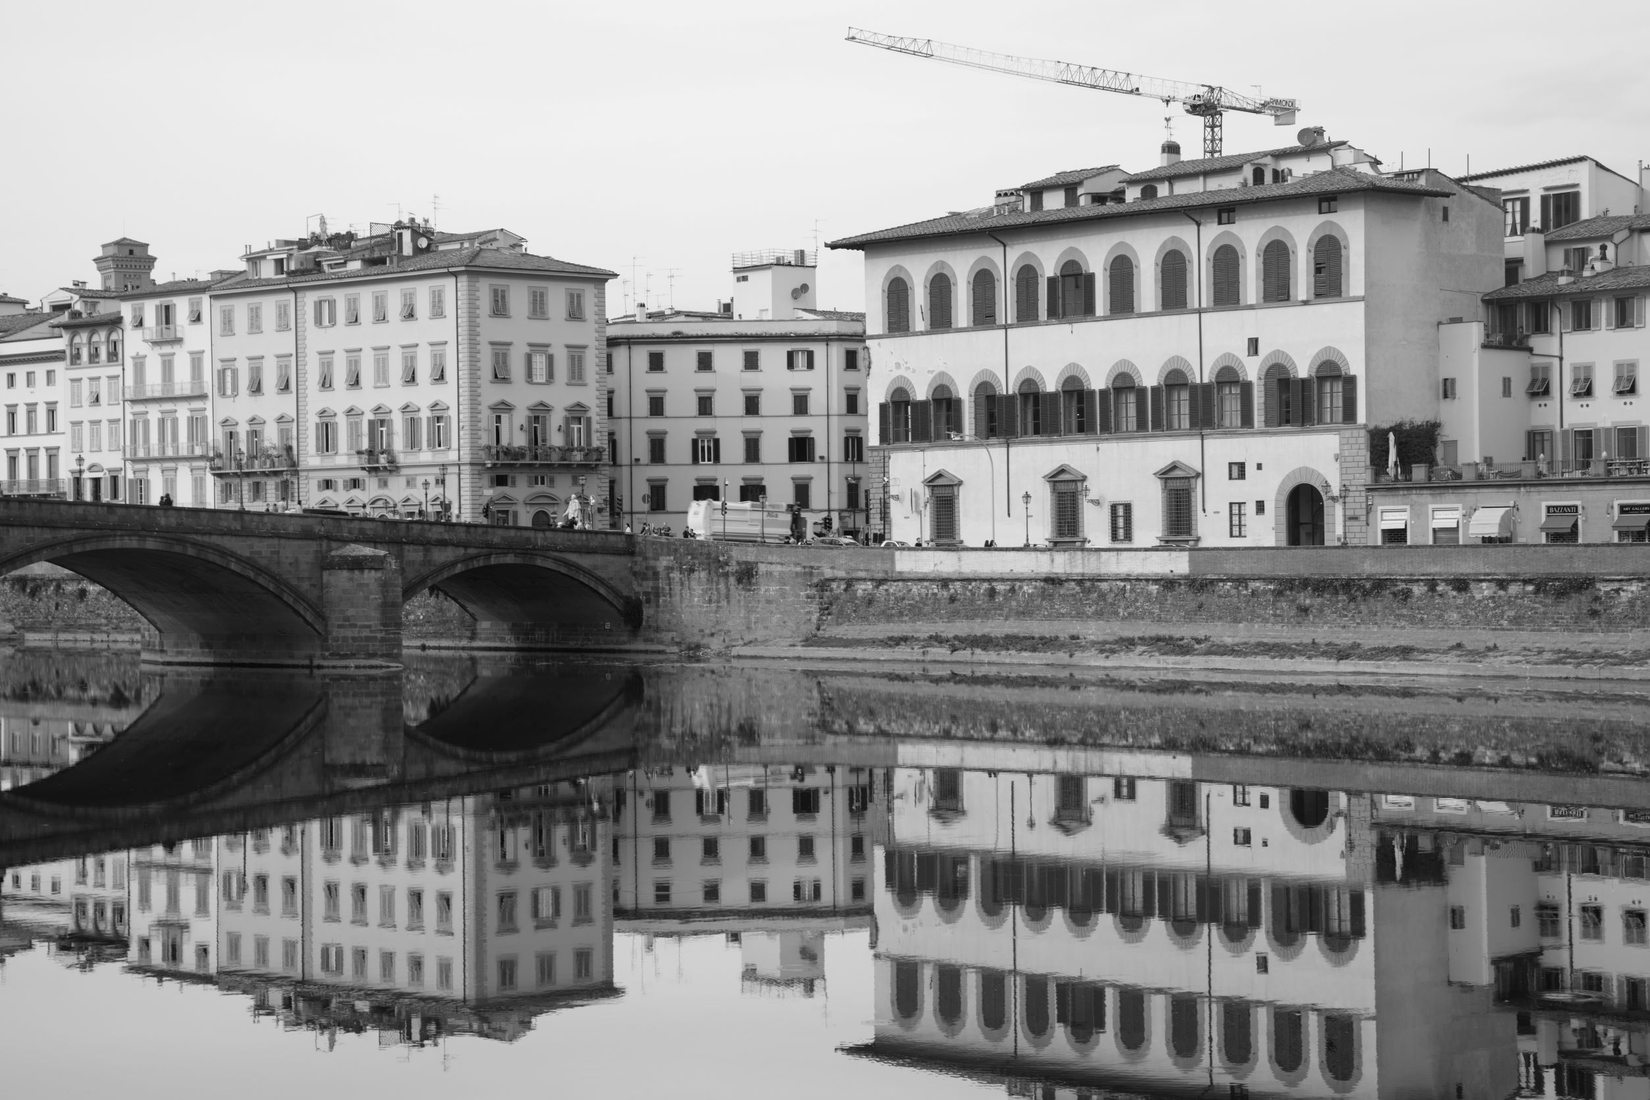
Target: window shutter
(1275, 392)
(1121, 283)
(1211, 413)
(1307, 409)
(1226, 281)
(1097, 411)
(1326, 263)
(1564, 314)
(885, 422)
(716, 449)
(1530, 447)
(982, 414)
(922, 421)
(939, 302)
(1025, 296)
(1171, 291)
(1609, 312)
(1566, 446)
(1643, 439)
(1638, 311)
(1246, 398)
(1274, 265)
(1157, 408)
(694, 450)
(1008, 415)
(1053, 283)
(1349, 400)
(985, 298)
(1088, 294)
(1051, 413)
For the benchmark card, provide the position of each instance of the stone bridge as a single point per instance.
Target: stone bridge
(231, 587)
(224, 753)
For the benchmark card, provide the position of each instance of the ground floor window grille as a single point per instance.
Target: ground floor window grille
(942, 510)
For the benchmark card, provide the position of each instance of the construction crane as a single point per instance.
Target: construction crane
(1207, 101)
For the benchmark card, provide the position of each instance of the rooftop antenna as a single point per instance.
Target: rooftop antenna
(435, 211)
(624, 294)
(397, 206)
(670, 284)
(635, 283)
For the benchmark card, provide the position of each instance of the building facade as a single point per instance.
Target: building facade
(764, 399)
(167, 392)
(1193, 358)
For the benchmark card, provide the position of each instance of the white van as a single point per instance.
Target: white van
(745, 521)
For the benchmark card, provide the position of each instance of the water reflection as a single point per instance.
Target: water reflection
(462, 850)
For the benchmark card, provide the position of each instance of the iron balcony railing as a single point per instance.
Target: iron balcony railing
(1542, 469)
(166, 389)
(506, 455)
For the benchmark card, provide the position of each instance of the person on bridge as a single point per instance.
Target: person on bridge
(166, 500)
(799, 525)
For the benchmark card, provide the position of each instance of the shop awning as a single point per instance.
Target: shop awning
(1559, 523)
(1631, 522)
(1491, 522)
(1394, 519)
(1446, 517)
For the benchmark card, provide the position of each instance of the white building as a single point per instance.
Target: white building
(764, 399)
(31, 370)
(167, 393)
(93, 371)
(1538, 200)
(1198, 363)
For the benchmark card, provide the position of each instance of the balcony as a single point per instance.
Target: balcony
(1546, 470)
(35, 487)
(270, 459)
(502, 455)
(1519, 339)
(376, 458)
(162, 334)
(166, 389)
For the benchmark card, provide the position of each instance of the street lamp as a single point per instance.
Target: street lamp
(1025, 499)
(724, 511)
(79, 475)
(441, 489)
(240, 476)
(426, 498)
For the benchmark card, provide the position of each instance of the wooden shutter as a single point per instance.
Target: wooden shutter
(716, 449)
(1053, 297)
(1246, 398)
(1349, 400)
(899, 306)
(1226, 276)
(1204, 412)
(1172, 281)
(1255, 907)
(1326, 268)
(1088, 294)
(1274, 264)
(1025, 296)
(985, 298)
(1276, 393)
(1122, 285)
(1531, 445)
(694, 450)
(1050, 413)
(1008, 415)
(982, 415)
(1305, 408)
(1097, 411)
(885, 421)
(1156, 408)
(922, 421)
(1638, 311)
(939, 302)
(1566, 447)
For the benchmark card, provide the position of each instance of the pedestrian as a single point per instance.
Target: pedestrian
(799, 525)
(166, 500)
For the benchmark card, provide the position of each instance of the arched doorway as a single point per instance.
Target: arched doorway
(542, 519)
(1304, 516)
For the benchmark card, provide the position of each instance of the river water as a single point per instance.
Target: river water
(718, 880)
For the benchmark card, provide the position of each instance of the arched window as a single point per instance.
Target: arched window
(1234, 403)
(1172, 280)
(1036, 1001)
(947, 421)
(993, 1000)
(1025, 294)
(1225, 277)
(986, 425)
(1076, 291)
(899, 305)
(1279, 393)
(899, 416)
(1148, 191)
(948, 995)
(114, 347)
(939, 301)
(1177, 401)
(907, 989)
(1031, 408)
(1258, 176)
(1237, 1037)
(1074, 415)
(1185, 1037)
(1340, 1046)
(1287, 1029)
(984, 295)
(1125, 405)
(1274, 272)
(1331, 392)
(1121, 282)
(74, 349)
(1326, 268)
(1131, 1018)
(1081, 1006)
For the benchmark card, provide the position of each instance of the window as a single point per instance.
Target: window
(498, 298)
(1326, 268)
(853, 447)
(539, 366)
(1120, 283)
(380, 306)
(501, 364)
(1237, 520)
(1448, 393)
(706, 403)
(1122, 523)
(1633, 927)
(982, 301)
(575, 305)
(1225, 276)
(1592, 922)
(1330, 395)
(1125, 401)
(1025, 294)
(1066, 509)
(1226, 215)
(1541, 380)
(1177, 401)
(1328, 204)
(1178, 515)
(1625, 311)
(1559, 209)
(538, 302)
(800, 448)
(1071, 293)
(799, 359)
(409, 305)
(1515, 216)
(438, 301)
(1457, 918)
(226, 321)
(1626, 382)
(799, 404)
(352, 309)
(939, 301)
(352, 372)
(1581, 380)
(655, 362)
(254, 317)
(707, 449)
(898, 305)
(1581, 314)
(1172, 280)
(1274, 272)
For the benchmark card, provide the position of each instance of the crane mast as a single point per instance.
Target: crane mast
(1206, 101)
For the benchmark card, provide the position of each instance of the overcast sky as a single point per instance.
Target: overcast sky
(654, 136)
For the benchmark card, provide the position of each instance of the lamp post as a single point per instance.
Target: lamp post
(79, 475)
(426, 498)
(762, 504)
(724, 509)
(240, 476)
(1025, 499)
(441, 488)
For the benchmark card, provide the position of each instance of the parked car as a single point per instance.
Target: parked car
(895, 544)
(834, 540)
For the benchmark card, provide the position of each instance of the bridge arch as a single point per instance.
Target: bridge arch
(199, 599)
(532, 597)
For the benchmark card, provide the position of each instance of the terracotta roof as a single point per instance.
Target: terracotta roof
(1223, 164)
(1333, 181)
(18, 322)
(108, 317)
(1539, 165)
(1548, 286)
(177, 286)
(1064, 179)
(89, 292)
(834, 314)
(495, 259)
(1605, 225)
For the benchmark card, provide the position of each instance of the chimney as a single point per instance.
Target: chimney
(641, 311)
(1171, 152)
(1603, 263)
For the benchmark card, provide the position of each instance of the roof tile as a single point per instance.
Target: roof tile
(1222, 164)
